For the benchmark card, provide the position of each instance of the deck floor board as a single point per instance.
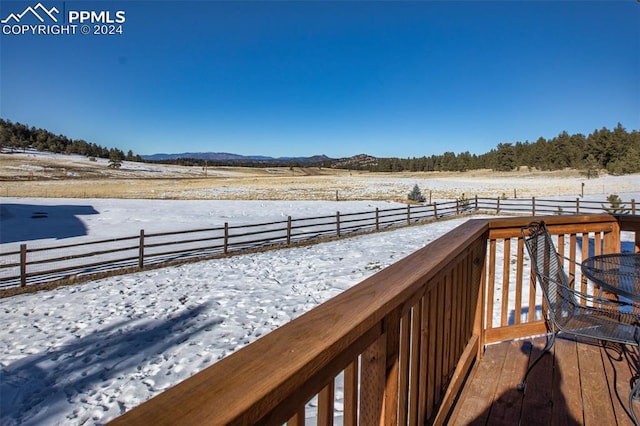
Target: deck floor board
(479, 393)
(576, 383)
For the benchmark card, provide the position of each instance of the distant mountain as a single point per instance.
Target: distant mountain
(358, 162)
(225, 157)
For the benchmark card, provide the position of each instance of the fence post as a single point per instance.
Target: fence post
(498, 206)
(577, 205)
(408, 214)
(457, 207)
(633, 206)
(476, 202)
(435, 210)
(533, 206)
(141, 250)
(226, 238)
(23, 265)
(288, 230)
(377, 219)
(338, 224)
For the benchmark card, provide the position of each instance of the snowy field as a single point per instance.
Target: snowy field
(73, 220)
(39, 174)
(84, 354)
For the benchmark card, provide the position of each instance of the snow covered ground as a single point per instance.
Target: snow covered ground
(73, 220)
(84, 354)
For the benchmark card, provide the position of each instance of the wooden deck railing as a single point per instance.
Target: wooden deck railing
(395, 348)
(513, 303)
(398, 337)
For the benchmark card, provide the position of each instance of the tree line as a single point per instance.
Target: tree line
(21, 136)
(617, 151)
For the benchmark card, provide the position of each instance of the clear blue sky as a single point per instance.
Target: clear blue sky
(386, 78)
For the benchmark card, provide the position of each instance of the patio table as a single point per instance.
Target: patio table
(617, 273)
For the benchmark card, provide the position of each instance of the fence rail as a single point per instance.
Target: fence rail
(540, 206)
(39, 265)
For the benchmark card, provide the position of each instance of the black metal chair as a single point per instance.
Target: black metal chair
(574, 312)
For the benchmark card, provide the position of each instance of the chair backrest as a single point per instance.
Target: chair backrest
(547, 266)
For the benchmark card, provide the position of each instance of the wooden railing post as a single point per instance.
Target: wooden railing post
(478, 274)
(141, 250)
(577, 205)
(338, 224)
(377, 219)
(457, 206)
(633, 206)
(498, 205)
(226, 238)
(408, 214)
(612, 239)
(23, 265)
(435, 210)
(326, 399)
(373, 372)
(392, 330)
(476, 202)
(288, 230)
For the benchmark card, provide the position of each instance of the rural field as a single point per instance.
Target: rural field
(61, 176)
(87, 353)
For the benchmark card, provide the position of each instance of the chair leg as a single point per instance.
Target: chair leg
(634, 394)
(632, 397)
(522, 385)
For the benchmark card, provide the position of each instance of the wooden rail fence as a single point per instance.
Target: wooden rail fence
(37, 265)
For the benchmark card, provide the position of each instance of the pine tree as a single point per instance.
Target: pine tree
(115, 158)
(616, 206)
(416, 194)
(591, 166)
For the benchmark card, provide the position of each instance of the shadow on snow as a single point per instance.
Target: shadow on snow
(24, 222)
(34, 388)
